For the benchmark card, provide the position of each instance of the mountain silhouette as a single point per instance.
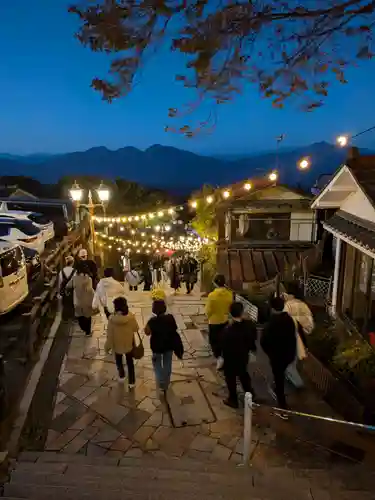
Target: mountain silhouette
(174, 169)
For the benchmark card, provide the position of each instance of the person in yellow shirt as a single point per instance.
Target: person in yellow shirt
(217, 312)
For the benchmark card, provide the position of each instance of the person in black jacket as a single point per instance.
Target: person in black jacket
(238, 339)
(279, 343)
(162, 329)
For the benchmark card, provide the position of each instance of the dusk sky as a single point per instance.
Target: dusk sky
(47, 105)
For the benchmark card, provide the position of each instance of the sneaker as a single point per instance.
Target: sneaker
(131, 386)
(220, 363)
(230, 403)
(121, 380)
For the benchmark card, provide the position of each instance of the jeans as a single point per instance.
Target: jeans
(162, 363)
(231, 372)
(214, 336)
(85, 324)
(189, 286)
(130, 365)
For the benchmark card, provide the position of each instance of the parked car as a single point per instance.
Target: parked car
(14, 287)
(40, 220)
(23, 232)
(33, 264)
(60, 212)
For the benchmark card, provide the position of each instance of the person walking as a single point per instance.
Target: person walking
(83, 295)
(189, 272)
(304, 320)
(238, 340)
(162, 330)
(174, 274)
(66, 288)
(91, 266)
(278, 341)
(217, 312)
(146, 275)
(122, 326)
(107, 290)
(133, 279)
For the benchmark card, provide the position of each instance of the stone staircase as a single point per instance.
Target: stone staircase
(56, 476)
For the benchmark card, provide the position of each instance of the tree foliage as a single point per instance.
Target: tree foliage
(288, 48)
(204, 222)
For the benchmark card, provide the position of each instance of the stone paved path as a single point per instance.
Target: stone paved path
(94, 415)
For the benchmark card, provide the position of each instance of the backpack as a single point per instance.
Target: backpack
(64, 291)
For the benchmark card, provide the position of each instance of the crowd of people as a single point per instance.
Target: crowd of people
(232, 335)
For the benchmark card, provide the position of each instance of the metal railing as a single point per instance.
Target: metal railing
(248, 419)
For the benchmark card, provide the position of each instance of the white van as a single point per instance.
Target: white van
(13, 276)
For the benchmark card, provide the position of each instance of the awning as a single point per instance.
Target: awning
(352, 228)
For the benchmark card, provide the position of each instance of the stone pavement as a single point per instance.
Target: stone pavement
(95, 416)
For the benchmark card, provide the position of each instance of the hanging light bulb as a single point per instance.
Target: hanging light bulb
(161, 213)
(151, 215)
(247, 186)
(122, 228)
(143, 217)
(273, 176)
(136, 217)
(194, 204)
(171, 211)
(209, 199)
(130, 219)
(226, 194)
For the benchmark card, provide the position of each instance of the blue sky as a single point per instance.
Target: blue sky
(47, 105)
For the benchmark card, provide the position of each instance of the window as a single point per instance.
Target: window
(10, 262)
(27, 227)
(4, 230)
(39, 218)
(272, 227)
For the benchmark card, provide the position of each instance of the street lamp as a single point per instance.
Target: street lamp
(76, 192)
(103, 193)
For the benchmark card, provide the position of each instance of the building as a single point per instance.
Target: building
(348, 205)
(264, 233)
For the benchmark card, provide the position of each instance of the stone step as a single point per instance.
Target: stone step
(136, 491)
(120, 477)
(162, 463)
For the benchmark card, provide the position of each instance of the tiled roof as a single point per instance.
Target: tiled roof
(356, 229)
(249, 265)
(363, 169)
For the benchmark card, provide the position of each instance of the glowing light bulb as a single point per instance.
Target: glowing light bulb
(273, 176)
(209, 199)
(304, 163)
(194, 204)
(161, 213)
(342, 140)
(151, 215)
(247, 186)
(171, 211)
(136, 217)
(226, 194)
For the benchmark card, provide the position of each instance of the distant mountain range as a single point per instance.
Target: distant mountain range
(174, 169)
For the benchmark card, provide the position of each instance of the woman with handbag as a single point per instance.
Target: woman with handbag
(122, 326)
(164, 340)
(83, 294)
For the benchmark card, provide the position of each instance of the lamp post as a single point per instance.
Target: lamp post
(76, 193)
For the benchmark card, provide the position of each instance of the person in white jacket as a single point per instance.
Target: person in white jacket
(133, 279)
(107, 290)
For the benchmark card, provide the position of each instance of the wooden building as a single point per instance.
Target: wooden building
(266, 232)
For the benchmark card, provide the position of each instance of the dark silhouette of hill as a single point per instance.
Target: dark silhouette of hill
(174, 169)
